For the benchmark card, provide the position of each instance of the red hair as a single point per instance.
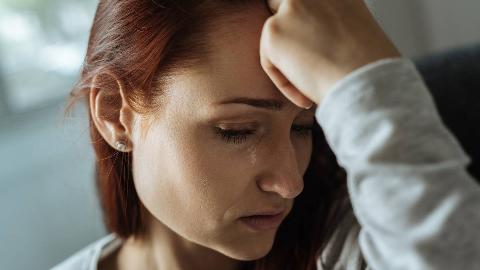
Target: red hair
(140, 42)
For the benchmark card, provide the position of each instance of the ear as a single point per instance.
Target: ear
(111, 114)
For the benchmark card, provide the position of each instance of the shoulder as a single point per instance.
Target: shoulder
(88, 257)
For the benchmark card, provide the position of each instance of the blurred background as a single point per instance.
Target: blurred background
(48, 204)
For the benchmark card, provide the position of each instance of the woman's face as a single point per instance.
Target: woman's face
(204, 162)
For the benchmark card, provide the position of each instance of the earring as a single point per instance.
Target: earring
(121, 145)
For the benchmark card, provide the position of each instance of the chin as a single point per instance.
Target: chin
(247, 256)
(252, 257)
(254, 251)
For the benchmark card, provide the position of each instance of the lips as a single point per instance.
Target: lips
(264, 221)
(266, 212)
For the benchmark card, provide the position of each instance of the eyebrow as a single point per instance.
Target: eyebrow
(269, 104)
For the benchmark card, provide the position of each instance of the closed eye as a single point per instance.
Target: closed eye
(238, 136)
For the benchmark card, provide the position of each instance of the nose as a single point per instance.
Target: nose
(283, 176)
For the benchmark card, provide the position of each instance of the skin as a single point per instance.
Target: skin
(194, 184)
(309, 45)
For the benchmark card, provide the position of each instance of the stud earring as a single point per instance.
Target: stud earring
(121, 145)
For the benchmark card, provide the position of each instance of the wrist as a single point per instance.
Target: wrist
(328, 82)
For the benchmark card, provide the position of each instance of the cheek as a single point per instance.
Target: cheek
(152, 173)
(183, 183)
(304, 148)
(216, 183)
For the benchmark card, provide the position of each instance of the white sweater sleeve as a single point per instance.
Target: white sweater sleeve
(417, 206)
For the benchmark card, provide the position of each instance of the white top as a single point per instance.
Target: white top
(406, 174)
(88, 257)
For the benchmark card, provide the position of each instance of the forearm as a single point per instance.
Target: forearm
(407, 179)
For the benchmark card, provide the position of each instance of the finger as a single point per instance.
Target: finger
(285, 86)
(278, 78)
(273, 5)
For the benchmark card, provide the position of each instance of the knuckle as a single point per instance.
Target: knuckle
(272, 27)
(292, 7)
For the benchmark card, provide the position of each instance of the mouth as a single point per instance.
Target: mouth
(262, 222)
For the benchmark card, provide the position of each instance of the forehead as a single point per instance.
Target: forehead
(233, 67)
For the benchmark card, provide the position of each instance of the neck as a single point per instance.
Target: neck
(160, 248)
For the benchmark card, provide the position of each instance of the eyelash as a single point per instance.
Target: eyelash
(239, 136)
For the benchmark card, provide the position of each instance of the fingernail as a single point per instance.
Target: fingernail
(308, 107)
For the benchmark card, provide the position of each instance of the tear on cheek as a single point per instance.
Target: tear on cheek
(252, 150)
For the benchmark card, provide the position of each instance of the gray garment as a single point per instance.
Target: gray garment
(417, 206)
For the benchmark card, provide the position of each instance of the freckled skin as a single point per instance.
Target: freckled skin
(195, 185)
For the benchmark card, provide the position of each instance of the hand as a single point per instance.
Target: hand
(308, 45)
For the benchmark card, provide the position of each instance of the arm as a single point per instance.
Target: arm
(407, 179)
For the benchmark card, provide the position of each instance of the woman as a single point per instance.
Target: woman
(209, 155)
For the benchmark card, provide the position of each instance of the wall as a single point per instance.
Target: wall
(428, 26)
